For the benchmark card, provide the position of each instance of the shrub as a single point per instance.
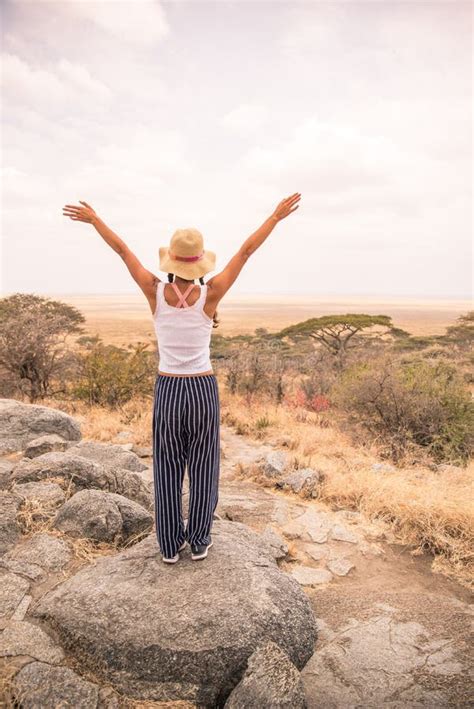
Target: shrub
(410, 404)
(111, 376)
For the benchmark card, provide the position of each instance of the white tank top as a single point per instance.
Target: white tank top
(183, 333)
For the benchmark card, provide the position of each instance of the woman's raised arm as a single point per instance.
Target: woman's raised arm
(145, 279)
(221, 282)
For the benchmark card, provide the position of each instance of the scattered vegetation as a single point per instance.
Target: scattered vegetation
(340, 392)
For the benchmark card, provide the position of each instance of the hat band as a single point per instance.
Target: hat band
(186, 258)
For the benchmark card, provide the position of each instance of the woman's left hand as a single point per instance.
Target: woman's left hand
(81, 214)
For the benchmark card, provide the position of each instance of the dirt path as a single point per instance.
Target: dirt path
(392, 633)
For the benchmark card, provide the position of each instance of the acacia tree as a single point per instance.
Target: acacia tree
(335, 332)
(462, 334)
(33, 334)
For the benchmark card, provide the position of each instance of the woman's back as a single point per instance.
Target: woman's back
(183, 331)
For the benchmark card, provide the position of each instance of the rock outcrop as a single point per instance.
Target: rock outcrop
(21, 423)
(157, 632)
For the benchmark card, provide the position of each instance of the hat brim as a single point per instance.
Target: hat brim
(190, 269)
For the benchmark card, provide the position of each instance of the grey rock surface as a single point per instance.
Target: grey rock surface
(102, 516)
(185, 631)
(109, 454)
(21, 423)
(38, 684)
(23, 638)
(303, 480)
(273, 464)
(310, 576)
(6, 466)
(46, 444)
(48, 495)
(42, 549)
(13, 588)
(271, 681)
(10, 530)
(83, 473)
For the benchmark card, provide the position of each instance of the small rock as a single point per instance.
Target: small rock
(317, 525)
(271, 681)
(22, 607)
(142, 451)
(304, 479)
(342, 534)
(274, 464)
(293, 530)
(47, 494)
(276, 543)
(108, 454)
(23, 568)
(9, 528)
(38, 684)
(44, 550)
(124, 434)
(46, 444)
(308, 576)
(102, 516)
(317, 551)
(13, 588)
(340, 566)
(6, 466)
(22, 638)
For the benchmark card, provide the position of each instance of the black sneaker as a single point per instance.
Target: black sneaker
(199, 551)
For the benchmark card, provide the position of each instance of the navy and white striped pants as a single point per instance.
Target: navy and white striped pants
(186, 432)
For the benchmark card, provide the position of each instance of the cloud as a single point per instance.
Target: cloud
(140, 21)
(246, 119)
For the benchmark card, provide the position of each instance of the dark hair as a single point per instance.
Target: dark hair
(215, 319)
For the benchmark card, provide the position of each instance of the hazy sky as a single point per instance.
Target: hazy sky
(206, 114)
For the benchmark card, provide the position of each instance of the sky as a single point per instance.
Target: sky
(166, 115)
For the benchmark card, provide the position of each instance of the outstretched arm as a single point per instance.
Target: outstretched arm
(221, 282)
(145, 279)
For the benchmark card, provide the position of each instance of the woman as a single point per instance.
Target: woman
(186, 414)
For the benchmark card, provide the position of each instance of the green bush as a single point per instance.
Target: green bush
(407, 404)
(111, 376)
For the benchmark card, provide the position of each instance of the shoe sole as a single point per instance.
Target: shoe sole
(204, 554)
(170, 561)
(174, 560)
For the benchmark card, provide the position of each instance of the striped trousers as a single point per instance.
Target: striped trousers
(186, 433)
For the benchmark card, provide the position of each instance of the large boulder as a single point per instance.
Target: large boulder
(21, 423)
(82, 473)
(185, 631)
(109, 454)
(103, 516)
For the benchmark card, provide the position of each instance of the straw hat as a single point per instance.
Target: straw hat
(185, 256)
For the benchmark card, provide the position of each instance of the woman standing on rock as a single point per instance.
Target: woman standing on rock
(186, 410)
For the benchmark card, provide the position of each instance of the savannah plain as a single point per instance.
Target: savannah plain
(426, 504)
(126, 319)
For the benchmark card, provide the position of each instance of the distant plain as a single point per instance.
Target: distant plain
(127, 319)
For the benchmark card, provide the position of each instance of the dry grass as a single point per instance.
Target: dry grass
(425, 509)
(102, 424)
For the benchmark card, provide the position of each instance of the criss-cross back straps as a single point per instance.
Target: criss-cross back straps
(182, 296)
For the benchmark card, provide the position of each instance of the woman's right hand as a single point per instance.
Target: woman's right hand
(286, 206)
(81, 214)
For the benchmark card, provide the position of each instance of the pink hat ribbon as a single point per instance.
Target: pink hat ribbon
(187, 258)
